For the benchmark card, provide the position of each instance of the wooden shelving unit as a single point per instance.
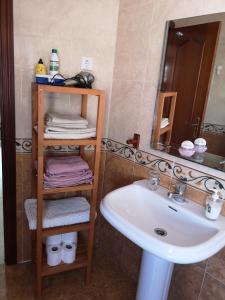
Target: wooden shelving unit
(84, 255)
(168, 129)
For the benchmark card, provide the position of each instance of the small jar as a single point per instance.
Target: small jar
(154, 179)
(200, 145)
(187, 149)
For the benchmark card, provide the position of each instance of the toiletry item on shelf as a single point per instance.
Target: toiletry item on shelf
(186, 149)
(70, 237)
(40, 68)
(49, 79)
(54, 240)
(54, 254)
(68, 253)
(200, 145)
(164, 122)
(214, 205)
(54, 63)
(81, 80)
(154, 180)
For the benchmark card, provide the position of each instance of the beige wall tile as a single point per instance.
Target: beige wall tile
(132, 42)
(75, 29)
(123, 116)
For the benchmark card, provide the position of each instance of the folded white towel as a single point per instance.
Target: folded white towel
(58, 212)
(65, 119)
(66, 125)
(57, 129)
(164, 122)
(69, 136)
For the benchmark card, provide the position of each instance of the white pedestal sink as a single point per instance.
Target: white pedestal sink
(167, 232)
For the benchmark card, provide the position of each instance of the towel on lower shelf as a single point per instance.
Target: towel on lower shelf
(63, 120)
(58, 212)
(164, 122)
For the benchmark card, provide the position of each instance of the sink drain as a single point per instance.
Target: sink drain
(160, 231)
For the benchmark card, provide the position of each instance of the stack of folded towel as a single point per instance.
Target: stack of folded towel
(66, 171)
(60, 126)
(164, 122)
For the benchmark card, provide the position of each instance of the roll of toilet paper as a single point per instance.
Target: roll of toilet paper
(54, 240)
(54, 255)
(69, 253)
(70, 237)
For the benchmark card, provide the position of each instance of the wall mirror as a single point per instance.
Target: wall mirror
(191, 98)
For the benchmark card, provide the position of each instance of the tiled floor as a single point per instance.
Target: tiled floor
(108, 283)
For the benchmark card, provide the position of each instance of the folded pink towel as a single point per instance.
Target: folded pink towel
(68, 180)
(66, 164)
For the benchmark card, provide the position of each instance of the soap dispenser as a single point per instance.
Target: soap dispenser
(214, 205)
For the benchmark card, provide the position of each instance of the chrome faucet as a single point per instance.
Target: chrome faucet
(179, 194)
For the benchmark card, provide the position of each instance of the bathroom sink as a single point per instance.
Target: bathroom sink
(166, 231)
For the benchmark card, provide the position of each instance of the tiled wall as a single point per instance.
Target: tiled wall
(75, 29)
(121, 165)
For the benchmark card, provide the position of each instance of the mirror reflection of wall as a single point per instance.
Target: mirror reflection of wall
(194, 67)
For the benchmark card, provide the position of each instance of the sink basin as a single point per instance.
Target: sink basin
(166, 231)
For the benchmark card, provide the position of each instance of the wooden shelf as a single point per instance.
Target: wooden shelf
(67, 142)
(64, 229)
(68, 90)
(84, 256)
(158, 131)
(81, 262)
(51, 142)
(165, 129)
(82, 187)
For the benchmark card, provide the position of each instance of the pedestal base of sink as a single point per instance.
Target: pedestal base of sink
(154, 278)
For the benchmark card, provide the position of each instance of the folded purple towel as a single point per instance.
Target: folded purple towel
(68, 179)
(66, 164)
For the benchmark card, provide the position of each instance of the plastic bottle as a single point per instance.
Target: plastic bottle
(54, 63)
(213, 205)
(40, 68)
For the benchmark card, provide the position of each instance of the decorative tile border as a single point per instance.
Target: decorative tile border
(23, 145)
(193, 177)
(214, 128)
(118, 148)
(151, 161)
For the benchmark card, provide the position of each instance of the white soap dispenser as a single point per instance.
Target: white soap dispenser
(214, 205)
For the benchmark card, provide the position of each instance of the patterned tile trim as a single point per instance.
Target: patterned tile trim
(119, 149)
(193, 177)
(214, 128)
(23, 145)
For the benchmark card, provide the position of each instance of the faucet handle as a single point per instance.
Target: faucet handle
(180, 187)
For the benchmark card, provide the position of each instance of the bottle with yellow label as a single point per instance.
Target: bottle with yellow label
(40, 68)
